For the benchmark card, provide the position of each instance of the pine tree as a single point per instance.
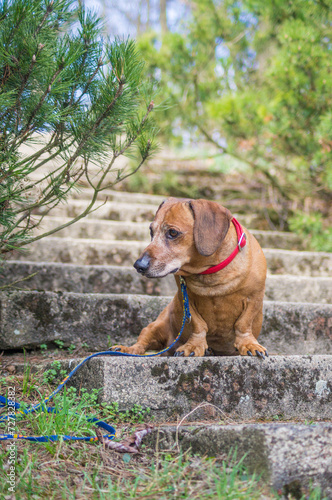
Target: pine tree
(76, 100)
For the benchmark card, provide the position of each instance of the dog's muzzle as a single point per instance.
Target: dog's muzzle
(143, 264)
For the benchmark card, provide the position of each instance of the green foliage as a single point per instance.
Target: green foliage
(311, 228)
(70, 100)
(112, 413)
(59, 343)
(71, 348)
(54, 373)
(254, 79)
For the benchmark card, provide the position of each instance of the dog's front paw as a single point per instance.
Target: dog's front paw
(134, 349)
(191, 349)
(251, 347)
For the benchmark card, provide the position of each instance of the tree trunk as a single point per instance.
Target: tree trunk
(138, 19)
(163, 16)
(148, 8)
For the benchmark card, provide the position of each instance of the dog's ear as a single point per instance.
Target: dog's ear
(211, 223)
(161, 204)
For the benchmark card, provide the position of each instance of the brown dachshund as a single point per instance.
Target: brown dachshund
(225, 270)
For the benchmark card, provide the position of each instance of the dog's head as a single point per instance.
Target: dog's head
(182, 232)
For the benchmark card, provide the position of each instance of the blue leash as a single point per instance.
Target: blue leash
(111, 431)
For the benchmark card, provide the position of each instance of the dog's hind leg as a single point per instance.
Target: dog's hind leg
(247, 328)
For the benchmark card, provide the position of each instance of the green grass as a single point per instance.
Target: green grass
(67, 471)
(80, 470)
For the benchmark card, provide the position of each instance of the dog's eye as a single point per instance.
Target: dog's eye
(172, 233)
(151, 233)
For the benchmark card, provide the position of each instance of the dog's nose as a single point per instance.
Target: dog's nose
(142, 264)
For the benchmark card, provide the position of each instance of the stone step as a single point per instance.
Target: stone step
(60, 277)
(119, 196)
(126, 212)
(285, 454)
(235, 197)
(299, 263)
(110, 210)
(286, 387)
(96, 229)
(115, 279)
(241, 202)
(299, 288)
(29, 319)
(101, 252)
(289, 457)
(139, 231)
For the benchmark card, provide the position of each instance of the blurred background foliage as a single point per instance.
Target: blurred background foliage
(246, 84)
(250, 77)
(254, 79)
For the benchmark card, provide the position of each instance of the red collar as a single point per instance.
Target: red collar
(241, 242)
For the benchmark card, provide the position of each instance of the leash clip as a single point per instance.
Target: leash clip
(240, 241)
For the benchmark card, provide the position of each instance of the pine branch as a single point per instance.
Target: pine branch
(49, 146)
(28, 128)
(49, 9)
(139, 130)
(20, 91)
(4, 287)
(100, 63)
(52, 231)
(88, 83)
(92, 130)
(87, 176)
(46, 176)
(13, 32)
(89, 209)
(144, 158)
(109, 103)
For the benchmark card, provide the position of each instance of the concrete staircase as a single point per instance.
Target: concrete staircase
(84, 289)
